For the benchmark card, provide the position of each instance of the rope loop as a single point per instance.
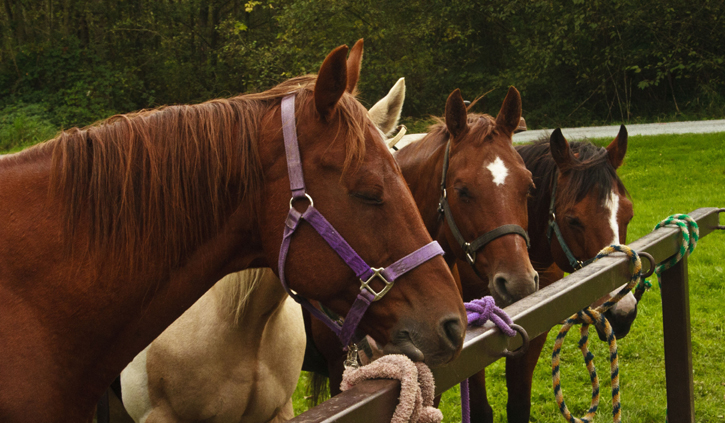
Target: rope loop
(595, 317)
(479, 312)
(690, 235)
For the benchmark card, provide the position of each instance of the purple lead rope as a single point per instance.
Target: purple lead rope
(479, 312)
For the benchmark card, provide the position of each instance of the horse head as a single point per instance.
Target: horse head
(591, 210)
(486, 188)
(356, 185)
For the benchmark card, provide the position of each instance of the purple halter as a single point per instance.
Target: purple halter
(364, 272)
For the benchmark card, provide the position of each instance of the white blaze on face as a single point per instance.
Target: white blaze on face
(612, 204)
(498, 170)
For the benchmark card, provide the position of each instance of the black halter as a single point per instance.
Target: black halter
(554, 227)
(470, 248)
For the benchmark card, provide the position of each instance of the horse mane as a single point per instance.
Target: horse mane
(158, 182)
(591, 169)
(236, 289)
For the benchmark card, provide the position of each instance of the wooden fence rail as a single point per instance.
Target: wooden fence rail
(375, 401)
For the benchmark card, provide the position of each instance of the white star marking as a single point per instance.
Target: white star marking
(498, 170)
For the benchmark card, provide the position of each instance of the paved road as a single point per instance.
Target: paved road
(694, 127)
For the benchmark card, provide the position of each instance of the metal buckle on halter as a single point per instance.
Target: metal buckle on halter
(292, 200)
(579, 265)
(377, 272)
(352, 360)
(470, 255)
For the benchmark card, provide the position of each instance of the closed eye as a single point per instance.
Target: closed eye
(368, 198)
(574, 222)
(464, 194)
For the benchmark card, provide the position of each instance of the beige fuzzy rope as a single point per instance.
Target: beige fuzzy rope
(417, 387)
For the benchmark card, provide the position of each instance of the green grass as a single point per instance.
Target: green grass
(665, 175)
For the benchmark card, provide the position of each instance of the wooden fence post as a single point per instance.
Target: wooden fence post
(678, 344)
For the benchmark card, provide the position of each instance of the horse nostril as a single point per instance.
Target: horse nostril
(501, 283)
(453, 331)
(536, 281)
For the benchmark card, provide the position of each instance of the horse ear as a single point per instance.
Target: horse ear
(331, 81)
(456, 114)
(353, 65)
(509, 116)
(385, 114)
(618, 148)
(560, 151)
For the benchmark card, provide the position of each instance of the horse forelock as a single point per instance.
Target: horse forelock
(155, 183)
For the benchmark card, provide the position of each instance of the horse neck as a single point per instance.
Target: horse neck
(422, 164)
(77, 296)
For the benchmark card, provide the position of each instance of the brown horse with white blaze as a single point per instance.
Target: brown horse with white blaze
(485, 186)
(579, 192)
(483, 191)
(109, 233)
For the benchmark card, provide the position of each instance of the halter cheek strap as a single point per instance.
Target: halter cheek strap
(470, 248)
(362, 270)
(554, 229)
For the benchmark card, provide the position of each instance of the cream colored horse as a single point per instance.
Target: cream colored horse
(236, 354)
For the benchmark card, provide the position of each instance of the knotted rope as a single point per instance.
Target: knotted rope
(479, 312)
(587, 317)
(690, 235)
(417, 386)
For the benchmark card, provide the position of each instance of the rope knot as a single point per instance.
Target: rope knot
(482, 310)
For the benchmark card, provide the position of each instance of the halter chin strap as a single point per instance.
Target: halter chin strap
(362, 270)
(554, 228)
(470, 248)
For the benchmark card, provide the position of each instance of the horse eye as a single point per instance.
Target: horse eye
(367, 197)
(574, 222)
(464, 194)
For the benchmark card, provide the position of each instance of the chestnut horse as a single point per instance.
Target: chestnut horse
(109, 233)
(237, 351)
(591, 210)
(481, 194)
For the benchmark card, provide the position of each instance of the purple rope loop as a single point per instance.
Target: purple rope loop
(479, 312)
(485, 309)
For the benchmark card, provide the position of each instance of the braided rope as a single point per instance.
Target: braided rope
(588, 317)
(690, 235)
(479, 312)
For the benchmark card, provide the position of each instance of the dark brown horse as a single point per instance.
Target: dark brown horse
(591, 210)
(110, 232)
(485, 187)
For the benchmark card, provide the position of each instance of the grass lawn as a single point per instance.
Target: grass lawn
(664, 174)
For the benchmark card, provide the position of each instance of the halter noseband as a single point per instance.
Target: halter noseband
(470, 248)
(364, 272)
(554, 227)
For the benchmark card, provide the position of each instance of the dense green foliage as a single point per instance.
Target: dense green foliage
(664, 174)
(575, 61)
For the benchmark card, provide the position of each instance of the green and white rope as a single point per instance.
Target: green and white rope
(588, 317)
(690, 235)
